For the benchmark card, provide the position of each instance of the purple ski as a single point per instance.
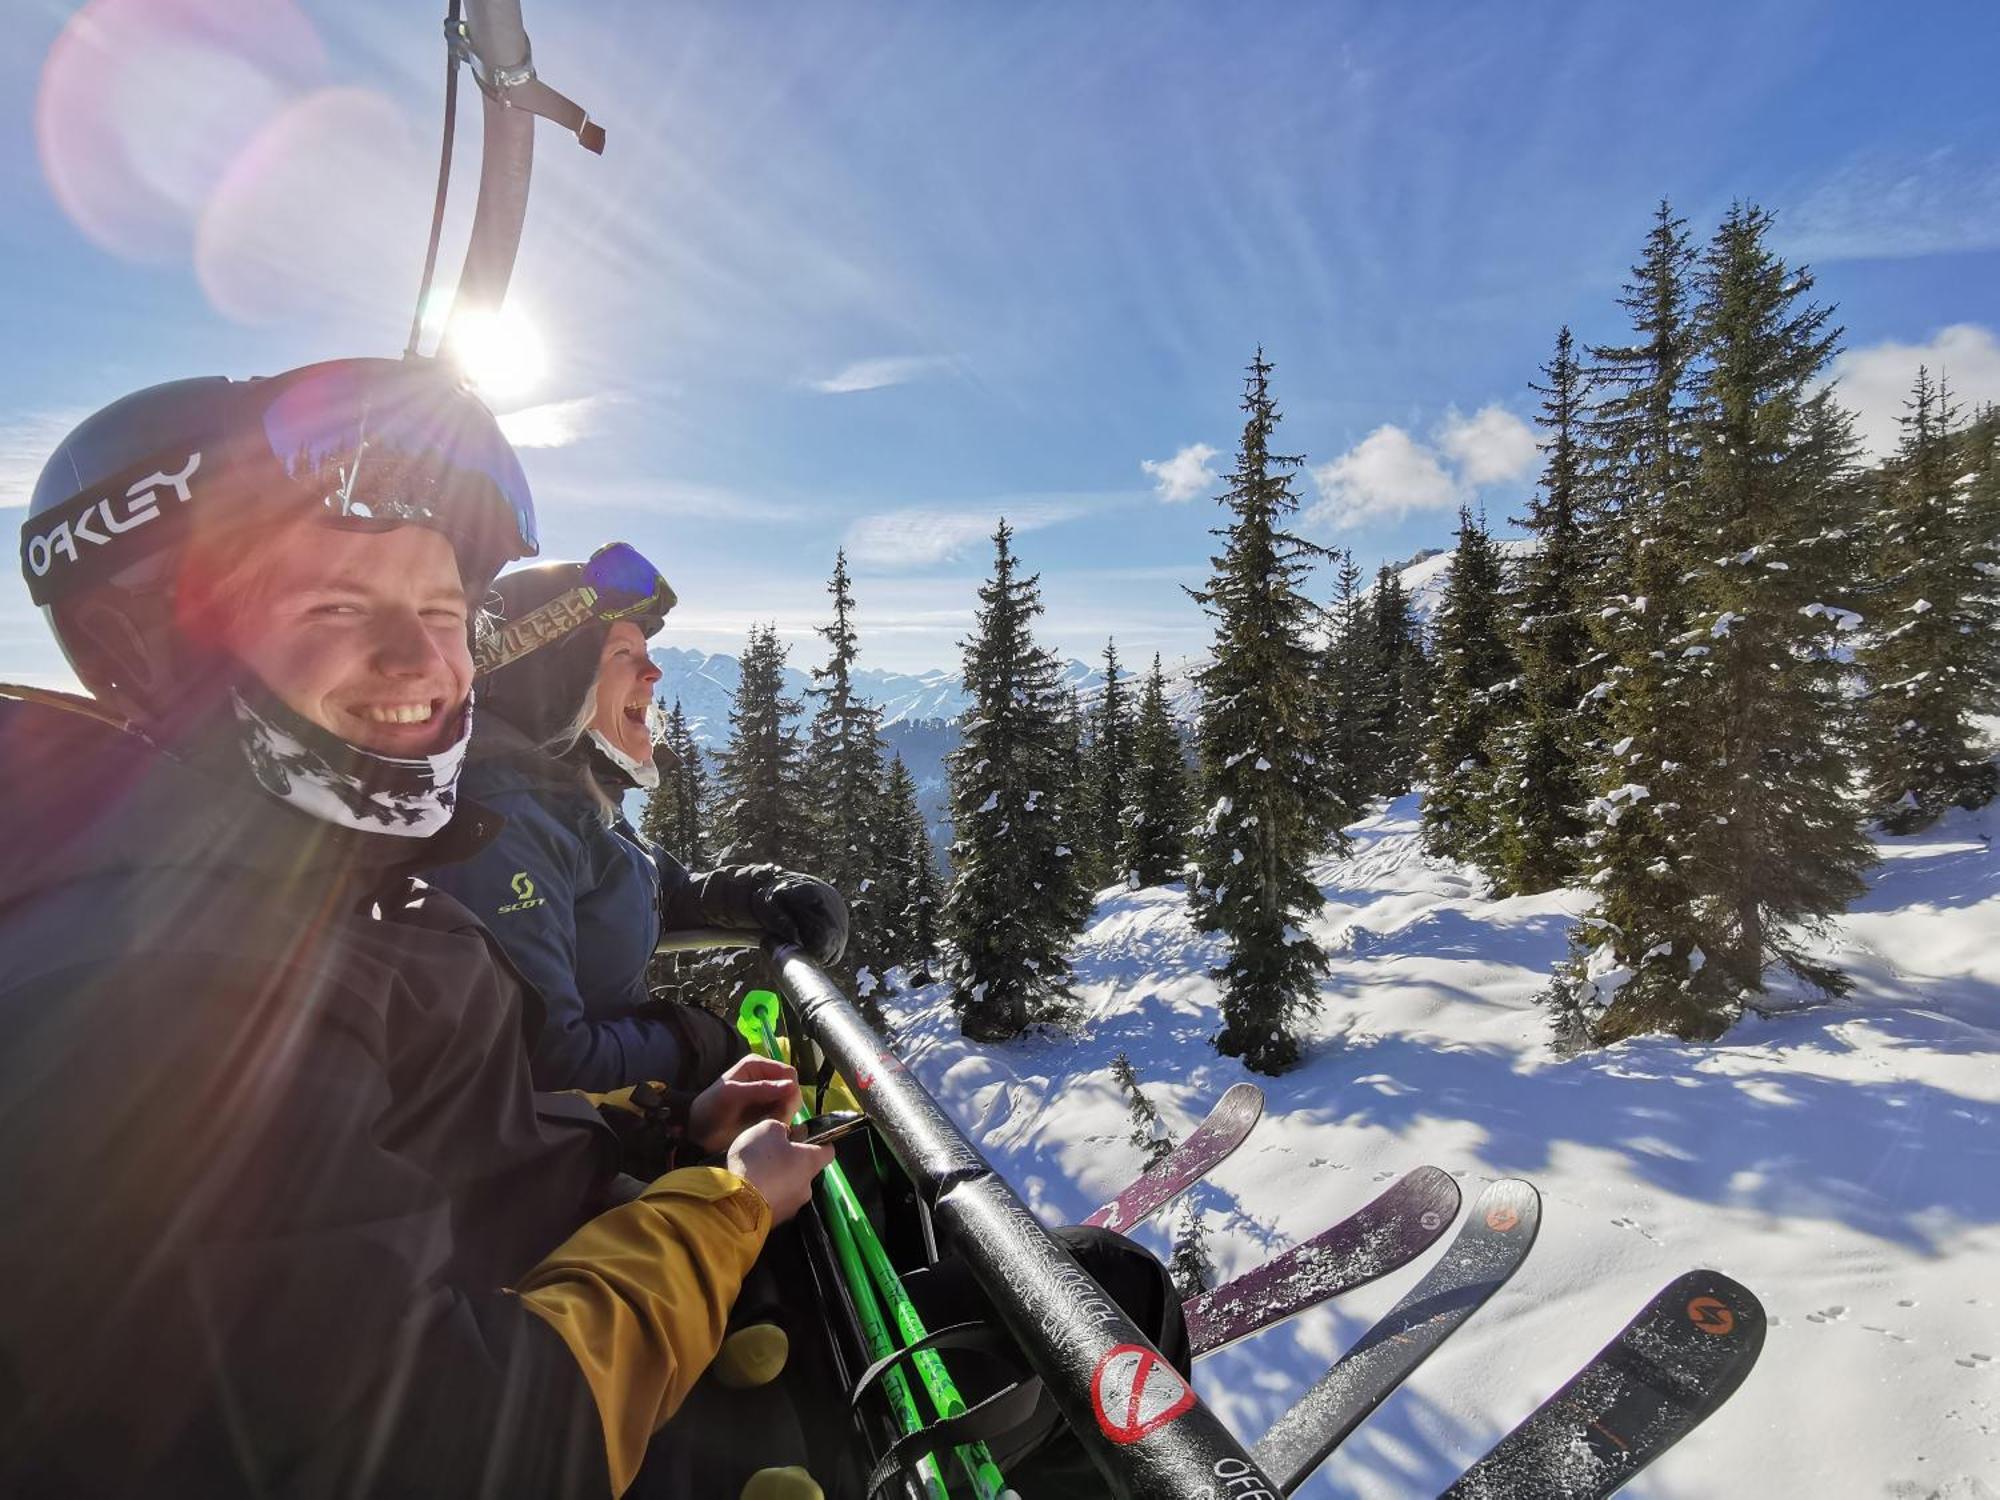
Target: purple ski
(1221, 1133)
(1391, 1231)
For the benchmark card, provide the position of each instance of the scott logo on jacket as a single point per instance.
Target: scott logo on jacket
(524, 894)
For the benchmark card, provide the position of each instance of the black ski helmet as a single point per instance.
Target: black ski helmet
(198, 465)
(538, 669)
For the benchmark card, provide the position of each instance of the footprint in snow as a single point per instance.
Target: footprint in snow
(1887, 1333)
(1635, 1226)
(1973, 1362)
(1832, 1314)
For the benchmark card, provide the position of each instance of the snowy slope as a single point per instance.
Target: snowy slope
(1844, 1162)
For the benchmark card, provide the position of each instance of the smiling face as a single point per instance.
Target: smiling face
(625, 678)
(363, 633)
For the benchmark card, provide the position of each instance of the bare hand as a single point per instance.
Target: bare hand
(781, 1169)
(754, 1088)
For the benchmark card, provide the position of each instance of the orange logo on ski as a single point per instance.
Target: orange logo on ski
(1711, 1316)
(1502, 1219)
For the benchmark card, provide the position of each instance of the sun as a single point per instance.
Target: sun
(500, 352)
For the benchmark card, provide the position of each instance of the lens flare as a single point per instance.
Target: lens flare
(499, 351)
(143, 105)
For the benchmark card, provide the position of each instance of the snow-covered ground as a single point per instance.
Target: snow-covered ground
(1841, 1161)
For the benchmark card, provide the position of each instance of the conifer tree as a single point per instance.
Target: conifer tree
(907, 878)
(1402, 689)
(1154, 851)
(1775, 846)
(843, 776)
(1538, 792)
(1929, 656)
(1638, 944)
(1110, 772)
(1352, 692)
(1013, 907)
(1270, 812)
(1472, 673)
(675, 811)
(762, 816)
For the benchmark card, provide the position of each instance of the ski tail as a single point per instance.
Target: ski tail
(1391, 1231)
(1495, 1239)
(1235, 1113)
(1669, 1369)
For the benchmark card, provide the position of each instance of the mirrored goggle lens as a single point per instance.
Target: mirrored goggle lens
(404, 444)
(626, 583)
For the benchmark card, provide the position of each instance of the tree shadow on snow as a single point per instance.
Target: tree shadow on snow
(1727, 1124)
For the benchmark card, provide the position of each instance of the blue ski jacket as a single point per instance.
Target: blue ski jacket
(578, 905)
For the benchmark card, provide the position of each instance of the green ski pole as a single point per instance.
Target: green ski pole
(855, 1239)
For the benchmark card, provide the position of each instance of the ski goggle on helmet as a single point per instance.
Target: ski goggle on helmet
(374, 443)
(616, 583)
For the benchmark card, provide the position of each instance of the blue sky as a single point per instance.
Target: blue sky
(876, 274)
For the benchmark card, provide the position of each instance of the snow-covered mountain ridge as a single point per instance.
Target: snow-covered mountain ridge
(1843, 1161)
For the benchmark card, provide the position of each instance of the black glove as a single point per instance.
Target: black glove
(799, 909)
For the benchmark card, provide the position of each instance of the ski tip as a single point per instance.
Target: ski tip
(1242, 1096)
(1720, 1306)
(1510, 1206)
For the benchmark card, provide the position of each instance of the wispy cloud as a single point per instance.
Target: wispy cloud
(1389, 473)
(1877, 205)
(1874, 382)
(25, 445)
(555, 424)
(874, 374)
(665, 497)
(923, 537)
(1187, 474)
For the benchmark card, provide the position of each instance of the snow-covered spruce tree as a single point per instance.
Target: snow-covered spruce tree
(843, 778)
(1270, 812)
(762, 814)
(1109, 770)
(1147, 1133)
(1472, 674)
(1538, 781)
(906, 879)
(1777, 846)
(1403, 691)
(1013, 908)
(1638, 944)
(1155, 835)
(1352, 692)
(1071, 789)
(675, 812)
(1934, 616)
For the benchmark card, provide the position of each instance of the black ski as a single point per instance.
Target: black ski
(1181, 1168)
(1374, 1240)
(1496, 1238)
(1673, 1365)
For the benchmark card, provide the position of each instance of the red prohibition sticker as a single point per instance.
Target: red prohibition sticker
(1135, 1392)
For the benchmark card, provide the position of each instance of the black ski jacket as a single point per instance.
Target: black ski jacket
(269, 1152)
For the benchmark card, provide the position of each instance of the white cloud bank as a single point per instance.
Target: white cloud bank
(875, 374)
(1188, 474)
(1389, 473)
(1874, 382)
(921, 537)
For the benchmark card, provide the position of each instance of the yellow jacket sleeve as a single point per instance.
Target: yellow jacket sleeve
(641, 1295)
